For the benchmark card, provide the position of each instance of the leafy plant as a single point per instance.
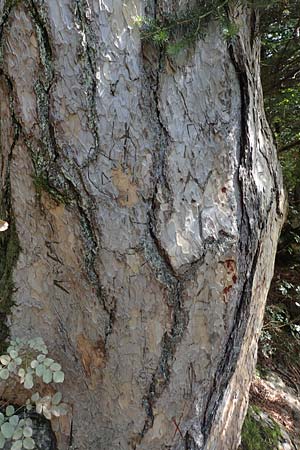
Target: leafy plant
(26, 363)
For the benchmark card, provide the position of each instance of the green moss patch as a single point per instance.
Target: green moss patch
(41, 184)
(259, 433)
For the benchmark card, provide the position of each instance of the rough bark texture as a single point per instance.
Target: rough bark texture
(145, 202)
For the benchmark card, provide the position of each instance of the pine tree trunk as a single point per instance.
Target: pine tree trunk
(145, 201)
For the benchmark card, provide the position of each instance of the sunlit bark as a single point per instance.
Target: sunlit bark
(145, 199)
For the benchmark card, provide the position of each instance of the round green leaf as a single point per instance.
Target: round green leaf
(40, 370)
(14, 420)
(4, 374)
(21, 372)
(34, 364)
(18, 361)
(7, 430)
(27, 432)
(48, 362)
(2, 440)
(58, 377)
(12, 366)
(28, 443)
(39, 408)
(17, 445)
(47, 413)
(28, 422)
(4, 359)
(55, 367)
(47, 376)
(63, 409)
(18, 434)
(28, 383)
(22, 423)
(55, 411)
(41, 358)
(13, 354)
(35, 397)
(10, 410)
(56, 399)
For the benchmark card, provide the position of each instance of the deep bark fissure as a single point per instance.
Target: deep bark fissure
(46, 161)
(49, 175)
(7, 9)
(88, 224)
(169, 344)
(88, 56)
(9, 242)
(228, 362)
(252, 246)
(163, 270)
(189, 442)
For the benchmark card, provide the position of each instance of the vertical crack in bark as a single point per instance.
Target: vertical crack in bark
(7, 8)
(249, 251)
(169, 344)
(90, 71)
(189, 442)
(89, 58)
(46, 154)
(228, 362)
(89, 225)
(91, 86)
(64, 185)
(160, 264)
(9, 241)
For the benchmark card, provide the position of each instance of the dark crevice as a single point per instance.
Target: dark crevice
(88, 225)
(227, 365)
(162, 252)
(9, 241)
(89, 57)
(189, 442)
(45, 158)
(170, 340)
(249, 253)
(90, 235)
(7, 9)
(155, 254)
(58, 178)
(63, 185)
(44, 41)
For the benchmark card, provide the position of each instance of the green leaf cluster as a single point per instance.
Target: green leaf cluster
(26, 362)
(16, 430)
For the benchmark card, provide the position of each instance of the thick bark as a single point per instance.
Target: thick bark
(145, 199)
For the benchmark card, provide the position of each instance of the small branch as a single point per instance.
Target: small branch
(199, 17)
